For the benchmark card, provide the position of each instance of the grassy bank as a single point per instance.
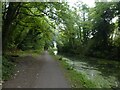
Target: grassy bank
(76, 79)
(24, 53)
(9, 62)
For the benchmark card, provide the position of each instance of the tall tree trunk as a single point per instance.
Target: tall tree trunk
(8, 18)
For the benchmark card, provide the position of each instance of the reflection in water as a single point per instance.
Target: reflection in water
(105, 74)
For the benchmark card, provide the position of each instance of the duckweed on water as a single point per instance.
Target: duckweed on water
(94, 74)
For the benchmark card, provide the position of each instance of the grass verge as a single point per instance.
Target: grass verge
(76, 79)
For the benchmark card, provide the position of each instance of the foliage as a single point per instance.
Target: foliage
(7, 68)
(80, 29)
(92, 33)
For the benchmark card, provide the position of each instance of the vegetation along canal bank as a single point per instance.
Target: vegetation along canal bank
(85, 34)
(91, 74)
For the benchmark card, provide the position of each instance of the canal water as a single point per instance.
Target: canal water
(103, 73)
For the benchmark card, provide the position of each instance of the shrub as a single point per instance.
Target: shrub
(7, 68)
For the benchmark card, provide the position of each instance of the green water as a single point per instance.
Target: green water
(104, 73)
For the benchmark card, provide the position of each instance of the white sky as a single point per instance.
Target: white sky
(90, 3)
(114, 19)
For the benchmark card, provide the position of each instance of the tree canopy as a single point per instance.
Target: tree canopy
(80, 29)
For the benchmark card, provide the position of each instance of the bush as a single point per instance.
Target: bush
(7, 68)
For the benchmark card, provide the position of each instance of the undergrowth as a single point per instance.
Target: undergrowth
(7, 68)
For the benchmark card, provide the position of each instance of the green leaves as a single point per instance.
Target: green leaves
(36, 25)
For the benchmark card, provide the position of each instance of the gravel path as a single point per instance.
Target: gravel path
(38, 72)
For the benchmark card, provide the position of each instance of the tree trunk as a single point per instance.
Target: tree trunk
(8, 18)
